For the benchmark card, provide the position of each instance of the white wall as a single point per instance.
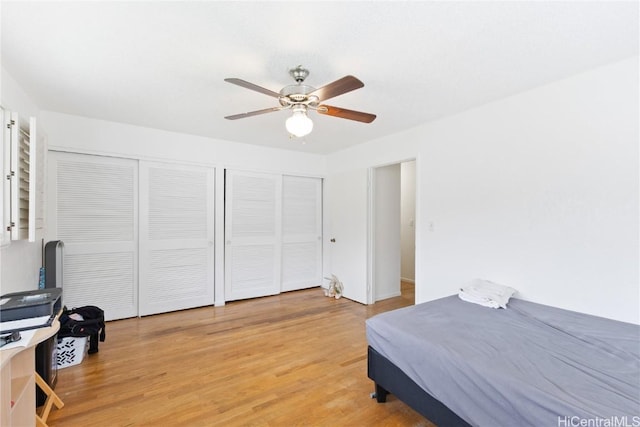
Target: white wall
(407, 221)
(20, 260)
(539, 191)
(92, 136)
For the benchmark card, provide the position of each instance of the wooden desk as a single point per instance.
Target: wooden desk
(18, 380)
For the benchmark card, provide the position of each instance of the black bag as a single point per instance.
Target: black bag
(92, 326)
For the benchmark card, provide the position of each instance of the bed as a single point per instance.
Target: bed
(459, 364)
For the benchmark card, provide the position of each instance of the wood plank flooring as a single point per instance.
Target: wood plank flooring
(295, 359)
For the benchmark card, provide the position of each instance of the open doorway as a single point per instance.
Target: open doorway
(408, 230)
(392, 232)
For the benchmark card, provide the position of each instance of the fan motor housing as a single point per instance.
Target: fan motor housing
(294, 94)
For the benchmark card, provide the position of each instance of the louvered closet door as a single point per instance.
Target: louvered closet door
(176, 237)
(252, 235)
(301, 232)
(92, 208)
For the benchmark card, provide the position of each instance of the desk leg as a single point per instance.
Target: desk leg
(52, 399)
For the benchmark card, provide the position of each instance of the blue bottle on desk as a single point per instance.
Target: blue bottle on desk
(41, 279)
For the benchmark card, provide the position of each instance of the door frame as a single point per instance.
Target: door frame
(371, 226)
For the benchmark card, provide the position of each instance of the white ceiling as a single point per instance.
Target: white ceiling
(162, 64)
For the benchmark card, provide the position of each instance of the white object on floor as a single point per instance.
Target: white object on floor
(71, 351)
(335, 287)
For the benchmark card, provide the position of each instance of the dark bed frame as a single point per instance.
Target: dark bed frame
(388, 378)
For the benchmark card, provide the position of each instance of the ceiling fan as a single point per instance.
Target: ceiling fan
(301, 98)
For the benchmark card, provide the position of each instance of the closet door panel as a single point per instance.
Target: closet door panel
(176, 237)
(92, 208)
(301, 232)
(252, 235)
(105, 279)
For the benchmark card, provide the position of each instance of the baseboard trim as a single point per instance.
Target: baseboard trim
(387, 296)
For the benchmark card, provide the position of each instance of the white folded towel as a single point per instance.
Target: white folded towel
(486, 293)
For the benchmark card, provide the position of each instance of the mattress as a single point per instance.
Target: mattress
(527, 365)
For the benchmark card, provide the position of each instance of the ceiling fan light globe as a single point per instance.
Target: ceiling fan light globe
(299, 124)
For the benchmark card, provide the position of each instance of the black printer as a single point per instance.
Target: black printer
(28, 304)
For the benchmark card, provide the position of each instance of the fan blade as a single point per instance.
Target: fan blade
(251, 86)
(343, 113)
(254, 113)
(343, 85)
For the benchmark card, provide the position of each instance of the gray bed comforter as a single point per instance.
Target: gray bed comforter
(528, 365)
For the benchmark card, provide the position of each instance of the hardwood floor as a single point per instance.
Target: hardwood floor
(297, 358)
